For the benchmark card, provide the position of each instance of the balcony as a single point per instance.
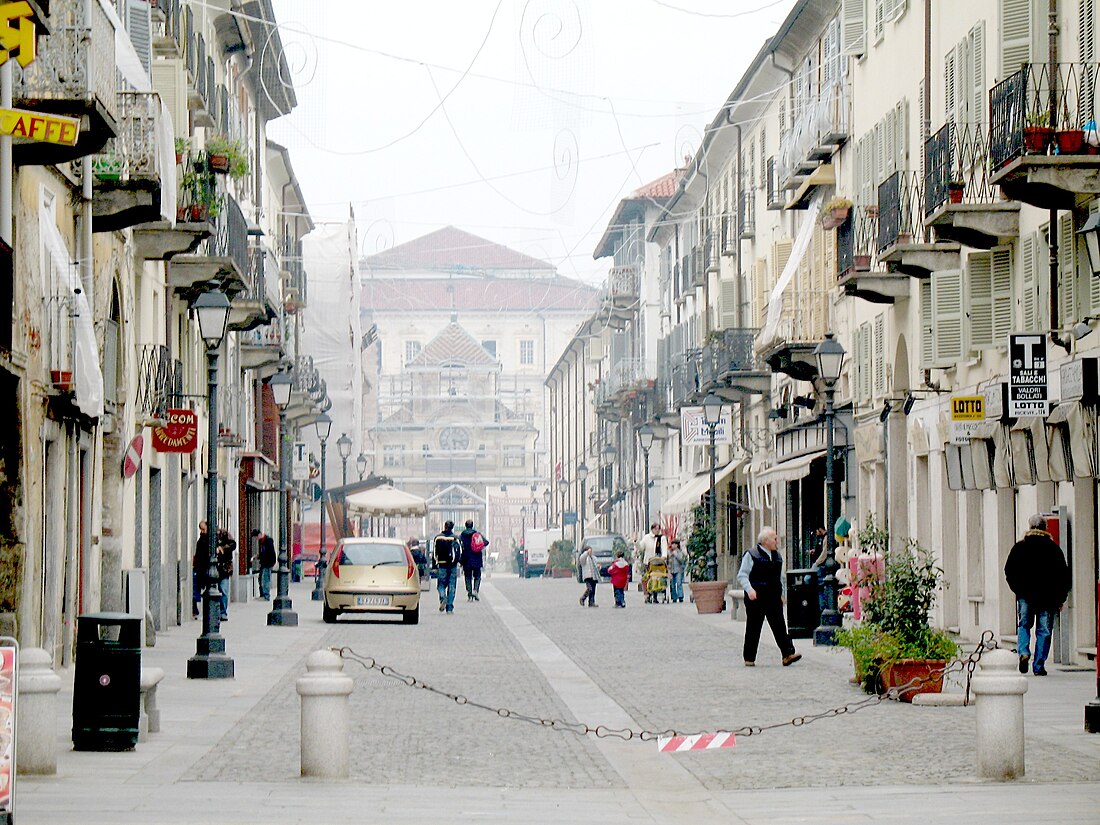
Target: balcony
(960, 204)
(73, 75)
(259, 303)
(222, 260)
(621, 296)
(746, 215)
(806, 150)
(685, 379)
(160, 382)
(858, 271)
(129, 171)
(802, 323)
(903, 239)
(262, 348)
(729, 365)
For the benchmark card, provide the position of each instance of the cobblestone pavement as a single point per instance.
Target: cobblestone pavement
(670, 668)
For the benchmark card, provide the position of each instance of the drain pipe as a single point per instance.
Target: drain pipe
(84, 242)
(926, 113)
(1052, 225)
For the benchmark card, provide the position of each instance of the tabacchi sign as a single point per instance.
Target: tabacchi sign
(180, 435)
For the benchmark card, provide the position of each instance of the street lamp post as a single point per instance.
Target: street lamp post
(645, 439)
(546, 496)
(609, 453)
(343, 444)
(282, 613)
(712, 416)
(210, 660)
(361, 465)
(324, 429)
(582, 475)
(830, 358)
(534, 513)
(523, 526)
(563, 488)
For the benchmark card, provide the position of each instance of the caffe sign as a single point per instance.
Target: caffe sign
(179, 435)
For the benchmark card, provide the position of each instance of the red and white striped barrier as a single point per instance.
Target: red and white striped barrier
(699, 742)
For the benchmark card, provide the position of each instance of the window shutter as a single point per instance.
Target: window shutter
(1004, 307)
(139, 27)
(949, 85)
(927, 325)
(979, 300)
(1029, 300)
(864, 354)
(1067, 271)
(880, 17)
(1016, 35)
(977, 76)
(901, 134)
(170, 83)
(759, 286)
(781, 251)
(727, 303)
(853, 34)
(878, 355)
(947, 301)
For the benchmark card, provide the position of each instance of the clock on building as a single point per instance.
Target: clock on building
(454, 438)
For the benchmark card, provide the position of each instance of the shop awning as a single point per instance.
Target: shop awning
(791, 470)
(687, 496)
(386, 501)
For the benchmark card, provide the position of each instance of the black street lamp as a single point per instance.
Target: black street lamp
(646, 434)
(712, 416)
(582, 475)
(324, 429)
(830, 359)
(563, 488)
(609, 453)
(361, 465)
(534, 513)
(282, 613)
(546, 496)
(523, 526)
(210, 660)
(343, 444)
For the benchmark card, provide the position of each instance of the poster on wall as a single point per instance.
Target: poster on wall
(694, 431)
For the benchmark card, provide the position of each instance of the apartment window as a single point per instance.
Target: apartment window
(513, 456)
(391, 455)
(527, 352)
(412, 349)
(490, 347)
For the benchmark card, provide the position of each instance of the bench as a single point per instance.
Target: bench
(737, 601)
(148, 714)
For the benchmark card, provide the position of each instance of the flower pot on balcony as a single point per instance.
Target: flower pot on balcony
(62, 380)
(1037, 139)
(1070, 141)
(834, 218)
(955, 191)
(861, 263)
(218, 163)
(198, 212)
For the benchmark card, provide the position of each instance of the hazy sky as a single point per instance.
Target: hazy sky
(523, 121)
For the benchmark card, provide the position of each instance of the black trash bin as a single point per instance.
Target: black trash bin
(106, 685)
(803, 611)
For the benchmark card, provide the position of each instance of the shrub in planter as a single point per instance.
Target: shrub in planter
(708, 595)
(835, 212)
(227, 156)
(1037, 133)
(560, 558)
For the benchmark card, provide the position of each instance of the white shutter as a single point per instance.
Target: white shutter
(1029, 299)
(140, 28)
(1016, 35)
(977, 76)
(1004, 307)
(853, 35)
(1086, 49)
(901, 134)
(727, 303)
(949, 85)
(170, 82)
(781, 252)
(878, 355)
(863, 362)
(979, 300)
(1067, 271)
(759, 290)
(927, 325)
(880, 17)
(947, 302)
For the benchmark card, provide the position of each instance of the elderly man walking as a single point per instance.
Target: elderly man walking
(1037, 572)
(761, 577)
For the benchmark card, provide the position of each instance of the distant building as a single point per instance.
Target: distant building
(460, 332)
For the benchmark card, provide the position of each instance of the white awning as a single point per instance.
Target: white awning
(791, 470)
(386, 501)
(687, 496)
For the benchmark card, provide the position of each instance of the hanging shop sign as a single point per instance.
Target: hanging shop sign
(300, 466)
(179, 435)
(17, 33)
(1027, 376)
(967, 416)
(694, 431)
(1080, 381)
(39, 126)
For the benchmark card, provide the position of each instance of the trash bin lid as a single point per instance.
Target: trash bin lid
(108, 618)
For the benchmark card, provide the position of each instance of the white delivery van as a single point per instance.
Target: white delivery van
(538, 551)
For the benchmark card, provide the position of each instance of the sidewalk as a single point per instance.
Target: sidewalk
(222, 747)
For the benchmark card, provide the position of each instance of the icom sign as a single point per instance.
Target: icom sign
(179, 435)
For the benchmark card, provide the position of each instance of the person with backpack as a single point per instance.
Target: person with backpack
(446, 552)
(473, 559)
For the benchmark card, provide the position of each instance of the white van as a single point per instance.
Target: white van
(538, 551)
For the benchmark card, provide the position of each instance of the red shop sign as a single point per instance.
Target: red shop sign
(180, 435)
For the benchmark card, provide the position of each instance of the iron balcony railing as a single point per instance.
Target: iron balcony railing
(730, 350)
(626, 375)
(822, 121)
(746, 214)
(230, 238)
(1043, 99)
(77, 60)
(957, 155)
(686, 379)
(623, 284)
(269, 336)
(900, 210)
(169, 27)
(774, 192)
(160, 381)
(856, 240)
(133, 152)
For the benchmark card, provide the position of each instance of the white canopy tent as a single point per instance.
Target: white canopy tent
(386, 501)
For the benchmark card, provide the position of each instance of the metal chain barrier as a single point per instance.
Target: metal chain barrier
(987, 642)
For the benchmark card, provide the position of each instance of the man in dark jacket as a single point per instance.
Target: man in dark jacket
(473, 559)
(761, 577)
(1036, 571)
(226, 546)
(200, 564)
(446, 552)
(267, 559)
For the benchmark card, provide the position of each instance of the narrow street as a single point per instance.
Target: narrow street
(528, 647)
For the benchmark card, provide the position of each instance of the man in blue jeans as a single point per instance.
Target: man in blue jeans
(1036, 571)
(446, 552)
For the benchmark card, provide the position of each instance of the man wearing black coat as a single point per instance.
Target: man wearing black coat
(1037, 572)
(267, 560)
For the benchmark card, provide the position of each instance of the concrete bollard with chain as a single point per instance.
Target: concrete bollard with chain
(36, 712)
(1000, 716)
(325, 716)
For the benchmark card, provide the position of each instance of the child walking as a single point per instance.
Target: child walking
(619, 570)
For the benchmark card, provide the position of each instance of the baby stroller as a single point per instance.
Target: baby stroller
(656, 580)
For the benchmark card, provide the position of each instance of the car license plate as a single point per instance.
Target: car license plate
(383, 601)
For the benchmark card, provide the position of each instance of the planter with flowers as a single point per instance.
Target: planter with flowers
(835, 212)
(226, 156)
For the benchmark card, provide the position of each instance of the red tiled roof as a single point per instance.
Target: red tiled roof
(633, 205)
(453, 250)
(453, 345)
(476, 294)
(663, 187)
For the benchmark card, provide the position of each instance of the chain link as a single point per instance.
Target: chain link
(987, 642)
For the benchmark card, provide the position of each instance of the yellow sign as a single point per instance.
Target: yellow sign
(968, 408)
(17, 38)
(45, 128)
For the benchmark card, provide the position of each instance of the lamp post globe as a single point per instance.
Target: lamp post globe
(361, 465)
(830, 360)
(282, 613)
(323, 425)
(212, 311)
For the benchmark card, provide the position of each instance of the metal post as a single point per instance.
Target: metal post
(561, 517)
(1092, 709)
(210, 660)
(344, 476)
(282, 613)
(318, 585)
(712, 554)
(584, 481)
(645, 490)
(825, 634)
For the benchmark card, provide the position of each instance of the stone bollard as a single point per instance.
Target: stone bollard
(1000, 716)
(36, 713)
(325, 716)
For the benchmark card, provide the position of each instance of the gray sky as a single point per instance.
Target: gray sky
(523, 121)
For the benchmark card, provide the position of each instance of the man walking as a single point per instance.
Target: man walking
(267, 559)
(1037, 572)
(473, 559)
(677, 562)
(200, 565)
(446, 552)
(761, 577)
(590, 575)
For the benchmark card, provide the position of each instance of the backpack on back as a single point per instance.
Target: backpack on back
(444, 550)
(477, 542)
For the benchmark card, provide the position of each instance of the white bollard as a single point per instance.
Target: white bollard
(325, 716)
(36, 713)
(1000, 716)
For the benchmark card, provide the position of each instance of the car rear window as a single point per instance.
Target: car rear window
(355, 553)
(606, 545)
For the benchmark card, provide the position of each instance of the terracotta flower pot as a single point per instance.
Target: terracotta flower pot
(62, 380)
(198, 212)
(1037, 138)
(955, 192)
(1071, 141)
(861, 263)
(924, 676)
(834, 218)
(218, 163)
(709, 597)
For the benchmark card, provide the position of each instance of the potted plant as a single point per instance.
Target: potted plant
(1037, 133)
(708, 594)
(895, 646)
(1070, 141)
(226, 156)
(183, 145)
(107, 166)
(199, 196)
(62, 380)
(835, 212)
(955, 191)
(560, 559)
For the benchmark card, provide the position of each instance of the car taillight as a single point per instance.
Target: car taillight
(411, 564)
(335, 565)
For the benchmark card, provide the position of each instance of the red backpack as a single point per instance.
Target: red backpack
(477, 543)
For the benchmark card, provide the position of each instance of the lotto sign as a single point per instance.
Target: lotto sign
(301, 462)
(968, 408)
(8, 681)
(179, 435)
(694, 431)
(698, 742)
(1027, 376)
